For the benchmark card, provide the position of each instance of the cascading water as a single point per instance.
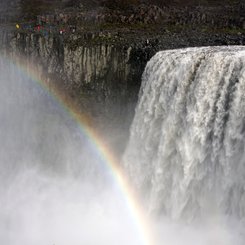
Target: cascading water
(186, 152)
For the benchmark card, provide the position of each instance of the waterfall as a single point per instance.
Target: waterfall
(186, 152)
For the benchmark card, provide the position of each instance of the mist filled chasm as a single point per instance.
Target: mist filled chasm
(55, 188)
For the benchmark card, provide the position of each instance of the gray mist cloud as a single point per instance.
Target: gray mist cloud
(54, 187)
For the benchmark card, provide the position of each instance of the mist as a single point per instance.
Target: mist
(55, 188)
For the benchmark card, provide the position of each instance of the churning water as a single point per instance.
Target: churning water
(186, 152)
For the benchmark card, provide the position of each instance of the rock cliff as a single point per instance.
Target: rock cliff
(102, 71)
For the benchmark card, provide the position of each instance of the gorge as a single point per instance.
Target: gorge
(171, 121)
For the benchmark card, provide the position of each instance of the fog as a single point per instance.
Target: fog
(55, 188)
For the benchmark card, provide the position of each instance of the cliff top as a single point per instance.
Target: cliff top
(123, 16)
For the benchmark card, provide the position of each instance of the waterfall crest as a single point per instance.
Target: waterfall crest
(186, 144)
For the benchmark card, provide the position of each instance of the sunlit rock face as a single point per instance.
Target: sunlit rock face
(186, 151)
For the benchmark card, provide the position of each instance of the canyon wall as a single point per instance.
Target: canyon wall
(101, 71)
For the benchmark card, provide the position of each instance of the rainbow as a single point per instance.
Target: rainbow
(140, 219)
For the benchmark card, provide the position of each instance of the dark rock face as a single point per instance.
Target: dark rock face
(220, 16)
(9, 10)
(98, 76)
(102, 72)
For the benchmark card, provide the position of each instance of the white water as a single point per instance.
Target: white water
(186, 152)
(54, 188)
